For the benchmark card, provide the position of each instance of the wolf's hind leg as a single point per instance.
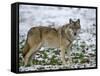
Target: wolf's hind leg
(29, 54)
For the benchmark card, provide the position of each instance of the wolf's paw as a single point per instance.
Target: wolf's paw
(64, 62)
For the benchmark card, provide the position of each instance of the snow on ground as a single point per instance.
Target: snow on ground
(33, 15)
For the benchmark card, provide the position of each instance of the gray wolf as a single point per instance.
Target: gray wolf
(61, 38)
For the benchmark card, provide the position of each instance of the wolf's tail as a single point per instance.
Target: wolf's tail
(25, 49)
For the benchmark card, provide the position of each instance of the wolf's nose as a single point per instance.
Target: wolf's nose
(74, 33)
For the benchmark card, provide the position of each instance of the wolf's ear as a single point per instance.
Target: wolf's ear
(78, 20)
(70, 20)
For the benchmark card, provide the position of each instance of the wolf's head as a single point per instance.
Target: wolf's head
(72, 29)
(74, 26)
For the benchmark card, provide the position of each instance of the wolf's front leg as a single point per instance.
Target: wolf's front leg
(62, 53)
(69, 56)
